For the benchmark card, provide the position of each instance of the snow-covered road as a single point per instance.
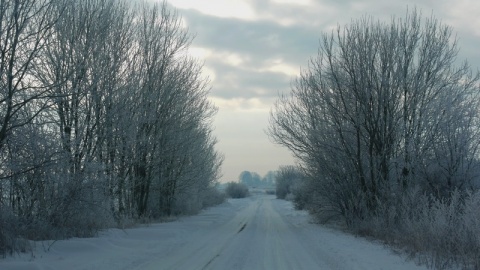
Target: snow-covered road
(259, 232)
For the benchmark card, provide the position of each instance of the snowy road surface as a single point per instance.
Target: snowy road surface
(259, 232)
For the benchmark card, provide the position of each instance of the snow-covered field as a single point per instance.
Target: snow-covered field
(259, 232)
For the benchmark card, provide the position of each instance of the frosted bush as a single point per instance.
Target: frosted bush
(236, 190)
(441, 233)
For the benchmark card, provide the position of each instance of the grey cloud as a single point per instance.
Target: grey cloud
(259, 43)
(262, 41)
(469, 49)
(234, 82)
(258, 39)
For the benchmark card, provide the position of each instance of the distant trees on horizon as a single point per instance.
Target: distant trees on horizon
(253, 179)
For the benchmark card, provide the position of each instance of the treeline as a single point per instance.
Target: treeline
(103, 118)
(385, 125)
(253, 179)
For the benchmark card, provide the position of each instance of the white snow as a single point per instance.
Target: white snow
(259, 232)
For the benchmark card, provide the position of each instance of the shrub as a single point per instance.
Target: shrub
(301, 194)
(270, 192)
(8, 234)
(77, 209)
(441, 233)
(287, 177)
(213, 197)
(236, 190)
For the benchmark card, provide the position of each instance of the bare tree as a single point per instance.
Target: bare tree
(103, 114)
(374, 110)
(287, 177)
(24, 27)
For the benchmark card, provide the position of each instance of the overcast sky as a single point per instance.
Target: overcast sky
(252, 49)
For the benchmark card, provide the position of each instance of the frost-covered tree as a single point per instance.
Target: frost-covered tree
(172, 116)
(382, 108)
(24, 27)
(236, 190)
(104, 115)
(246, 178)
(269, 178)
(287, 178)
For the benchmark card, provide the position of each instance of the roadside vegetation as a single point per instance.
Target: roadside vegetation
(385, 125)
(236, 190)
(104, 119)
